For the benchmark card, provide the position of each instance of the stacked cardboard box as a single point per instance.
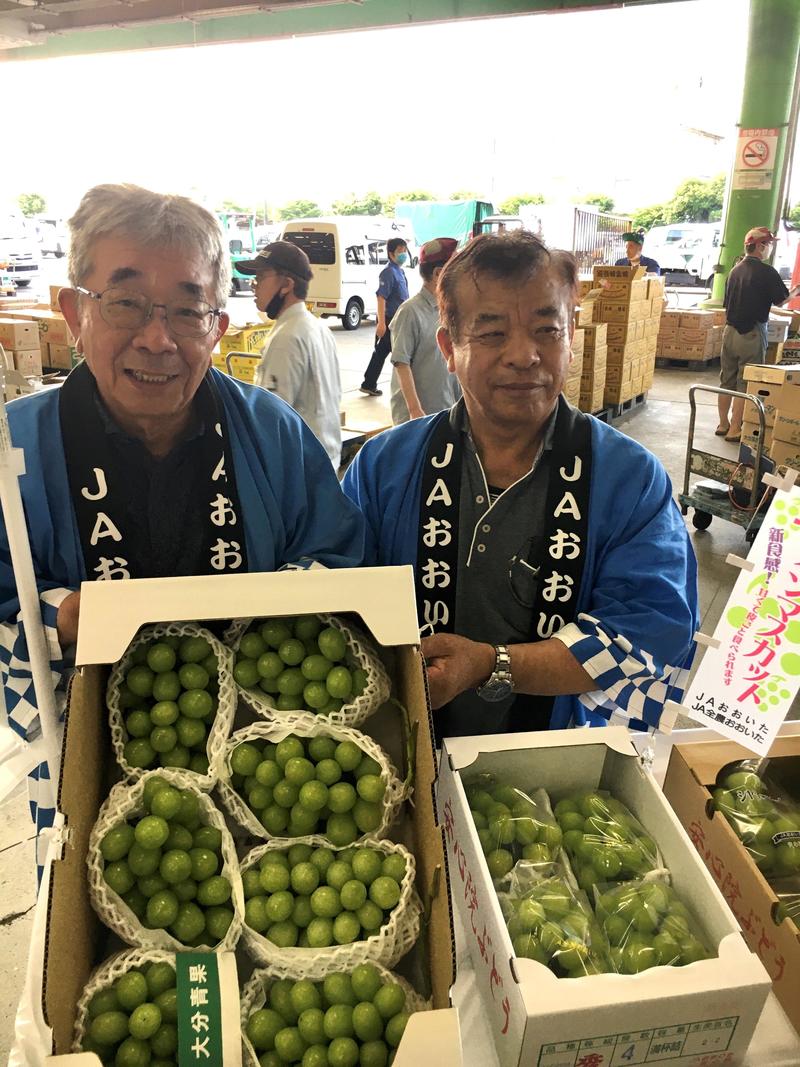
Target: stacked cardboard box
(53, 333)
(784, 431)
(572, 386)
(593, 372)
(21, 343)
(630, 304)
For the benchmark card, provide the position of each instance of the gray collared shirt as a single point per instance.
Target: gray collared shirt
(499, 532)
(414, 343)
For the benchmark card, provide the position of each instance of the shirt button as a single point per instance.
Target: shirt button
(486, 528)
(478, 499)
(481, 548)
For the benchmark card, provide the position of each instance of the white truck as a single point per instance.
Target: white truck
(19, 251)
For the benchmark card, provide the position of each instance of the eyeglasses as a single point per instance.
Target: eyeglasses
(125, 309)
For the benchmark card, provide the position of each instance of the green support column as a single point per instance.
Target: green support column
(753, 194)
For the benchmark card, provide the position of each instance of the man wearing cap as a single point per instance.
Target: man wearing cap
(634, 258)
(300, 362)
(751, 288)
(421, 382)
(392, 291)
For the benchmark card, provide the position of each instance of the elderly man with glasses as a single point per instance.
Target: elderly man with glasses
(147, 462)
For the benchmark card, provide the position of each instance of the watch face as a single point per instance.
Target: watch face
(496, 689)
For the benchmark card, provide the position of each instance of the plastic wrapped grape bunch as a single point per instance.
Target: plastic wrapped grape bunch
(307, 663)
(318, 779)
(552, 923)
(309, 907)
(762, 815)
(171, 701)
(604, 840)
(648, 925)
(354, 1017)
(513, 825)
(127, 1014)
(162, 866)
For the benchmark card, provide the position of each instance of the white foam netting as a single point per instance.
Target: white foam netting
(125, 801)
(254, 997)
(106, 974)
(307, 725)
(226, 700)
(396, 937)
(360, 653)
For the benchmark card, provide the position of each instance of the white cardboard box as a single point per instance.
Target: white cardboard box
(111, 613)
(698, 1015)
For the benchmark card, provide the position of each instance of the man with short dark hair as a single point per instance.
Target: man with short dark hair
(549, 555)
(300, 362)
(751, 289)
(421, 382)
(634, 241)
(392, 292)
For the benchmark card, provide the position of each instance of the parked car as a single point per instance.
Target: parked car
(688, 251)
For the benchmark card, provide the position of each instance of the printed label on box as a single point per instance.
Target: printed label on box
(744, 688)
(642, 1046)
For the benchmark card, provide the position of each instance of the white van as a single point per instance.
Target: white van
(18, 250)
(686, 248)
(347, 254)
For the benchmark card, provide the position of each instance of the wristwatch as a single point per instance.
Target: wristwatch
(499, 684)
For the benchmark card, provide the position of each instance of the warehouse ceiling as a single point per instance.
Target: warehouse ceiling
(34, 29)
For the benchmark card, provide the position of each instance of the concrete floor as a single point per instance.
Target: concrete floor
(661, 425)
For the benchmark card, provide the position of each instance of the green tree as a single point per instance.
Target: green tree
(31, 204)
(647, 217)
(368, 204)
(794, 215)
(696, 200)
(466, 194)
(512, 204)
(600, 200)
(299, 209)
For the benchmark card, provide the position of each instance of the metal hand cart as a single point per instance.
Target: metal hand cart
(709, 501)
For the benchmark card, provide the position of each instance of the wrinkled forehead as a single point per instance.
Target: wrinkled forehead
(124, 261)
(542, 294)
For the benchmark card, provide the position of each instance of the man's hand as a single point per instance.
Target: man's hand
(416, 412)
(380, 329)
(454, 664)
(67, 619)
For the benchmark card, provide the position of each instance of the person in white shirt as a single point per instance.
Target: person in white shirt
(300, 362)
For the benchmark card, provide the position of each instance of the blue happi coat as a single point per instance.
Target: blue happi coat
(637, 610)
(293, 512)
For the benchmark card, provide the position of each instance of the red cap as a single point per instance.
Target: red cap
(438, 251)
(759, 233)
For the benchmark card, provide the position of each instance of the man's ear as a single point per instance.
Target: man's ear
(445, 343)
(223, 321)
(68, 302)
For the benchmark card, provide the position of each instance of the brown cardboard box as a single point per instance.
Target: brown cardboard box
(655, 286)
(28, 361)
(585, 285)
(18, 335)
(774, 352)
(623, 275)
(618, 354)
(668, 332)
(617, 392)
(789, 400)
(672, 350)
(631, 292)
(692, 771)
(762, 372)
(107, 624)
(54, 291)
(619, 333)
(572, 391)
(578, 342)
(62, 357)
(575, 367)
(720, 316)
(697, 320)
(751, 431)
(586, 314)
(618, 373)
(617, 311)
(787, 427)
(768, 393)
(786, 454)
(595, 335)
(592, 402)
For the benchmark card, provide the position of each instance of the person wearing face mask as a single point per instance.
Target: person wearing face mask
(300, 362)
(392, 292)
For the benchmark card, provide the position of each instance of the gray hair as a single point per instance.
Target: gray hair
(153, 220)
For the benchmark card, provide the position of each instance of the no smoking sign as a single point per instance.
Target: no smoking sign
(755, 158)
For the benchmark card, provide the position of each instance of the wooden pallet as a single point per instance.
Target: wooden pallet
(668, 361)
(614, 413)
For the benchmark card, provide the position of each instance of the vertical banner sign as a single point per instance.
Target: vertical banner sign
(744, 688)
(209, 1031)
(755, 158)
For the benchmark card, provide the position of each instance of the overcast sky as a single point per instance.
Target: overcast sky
(562, 104)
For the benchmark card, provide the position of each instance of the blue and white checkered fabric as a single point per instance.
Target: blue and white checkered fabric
(632, 688)
(22, 709)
